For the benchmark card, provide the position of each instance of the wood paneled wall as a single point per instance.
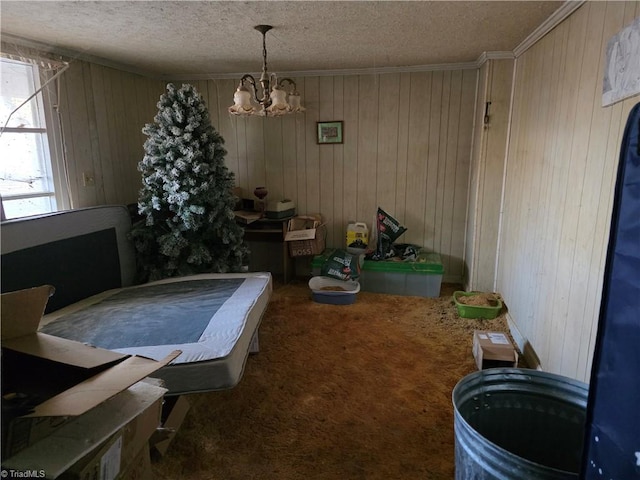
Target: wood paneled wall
(493, 105)
(407, 147)
(102, 112)
(559, 187)
(407, 144)
(410, 157)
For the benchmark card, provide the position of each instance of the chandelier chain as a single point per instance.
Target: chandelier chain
(264, 52)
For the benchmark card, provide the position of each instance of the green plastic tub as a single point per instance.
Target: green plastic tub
(421, 278)
(475, 311)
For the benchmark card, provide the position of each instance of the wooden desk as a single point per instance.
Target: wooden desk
(271, 230)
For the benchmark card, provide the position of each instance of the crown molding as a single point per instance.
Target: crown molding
(71, 55)
(329, 73)
(549, 24)
(493, 56)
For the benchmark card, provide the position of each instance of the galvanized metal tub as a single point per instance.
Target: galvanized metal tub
(513, 423)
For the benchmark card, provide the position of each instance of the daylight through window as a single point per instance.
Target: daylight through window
(26, 180)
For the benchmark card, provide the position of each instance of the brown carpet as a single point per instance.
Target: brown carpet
(358, 391)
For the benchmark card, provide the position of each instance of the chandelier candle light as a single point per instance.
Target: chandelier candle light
(274, 100)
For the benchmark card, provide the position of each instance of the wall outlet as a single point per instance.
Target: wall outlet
(88, 180)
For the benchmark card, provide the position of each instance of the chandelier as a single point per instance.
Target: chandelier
(276, 97)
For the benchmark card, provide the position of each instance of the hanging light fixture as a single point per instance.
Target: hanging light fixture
(277, 97)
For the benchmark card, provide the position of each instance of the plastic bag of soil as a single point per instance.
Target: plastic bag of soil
(407, 251)
(388, 230)
(342, 265)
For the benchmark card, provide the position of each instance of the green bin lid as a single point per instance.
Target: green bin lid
(318, 260)
(427, 263)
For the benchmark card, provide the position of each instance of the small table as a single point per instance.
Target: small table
(269, 230)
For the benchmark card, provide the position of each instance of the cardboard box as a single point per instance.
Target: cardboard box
(493, 349)
(305, 235)
(140, 469)
(174, 412)
(100, 443)
(101, 464)
(122, 450)
(47, 380)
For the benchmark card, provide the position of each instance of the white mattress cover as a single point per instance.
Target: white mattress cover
(243, 310)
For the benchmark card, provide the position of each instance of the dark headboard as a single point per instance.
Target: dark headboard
(80, 252)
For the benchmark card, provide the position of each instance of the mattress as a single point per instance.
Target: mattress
(212, 318)
(60, 248)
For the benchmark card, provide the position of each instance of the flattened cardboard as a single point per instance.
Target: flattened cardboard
(95, 390)
(493, 349)
(302, 227)
(22, 310)
(58, 452)
(21, 314)
(61, 350)
(50, 415)
(306, 234)
(97, 374)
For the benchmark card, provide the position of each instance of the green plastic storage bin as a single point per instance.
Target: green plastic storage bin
(421, 278)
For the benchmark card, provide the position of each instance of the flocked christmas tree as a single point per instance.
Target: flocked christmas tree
(186, 201)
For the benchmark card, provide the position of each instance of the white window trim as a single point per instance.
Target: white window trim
(54, 138)
(57, 155)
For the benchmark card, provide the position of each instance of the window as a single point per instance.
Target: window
(27, 184)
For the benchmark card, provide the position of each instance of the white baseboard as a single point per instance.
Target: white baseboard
(528, 353)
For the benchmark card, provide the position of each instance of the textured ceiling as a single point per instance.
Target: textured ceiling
(182, 38)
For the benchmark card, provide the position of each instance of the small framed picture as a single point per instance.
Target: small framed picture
(329, 132)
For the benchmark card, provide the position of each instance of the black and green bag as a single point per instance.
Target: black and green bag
(388, 231)
(342, 265)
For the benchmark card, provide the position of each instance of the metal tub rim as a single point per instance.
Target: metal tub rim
(518, 380)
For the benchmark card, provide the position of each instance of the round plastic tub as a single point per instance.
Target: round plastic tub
(333, 291)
